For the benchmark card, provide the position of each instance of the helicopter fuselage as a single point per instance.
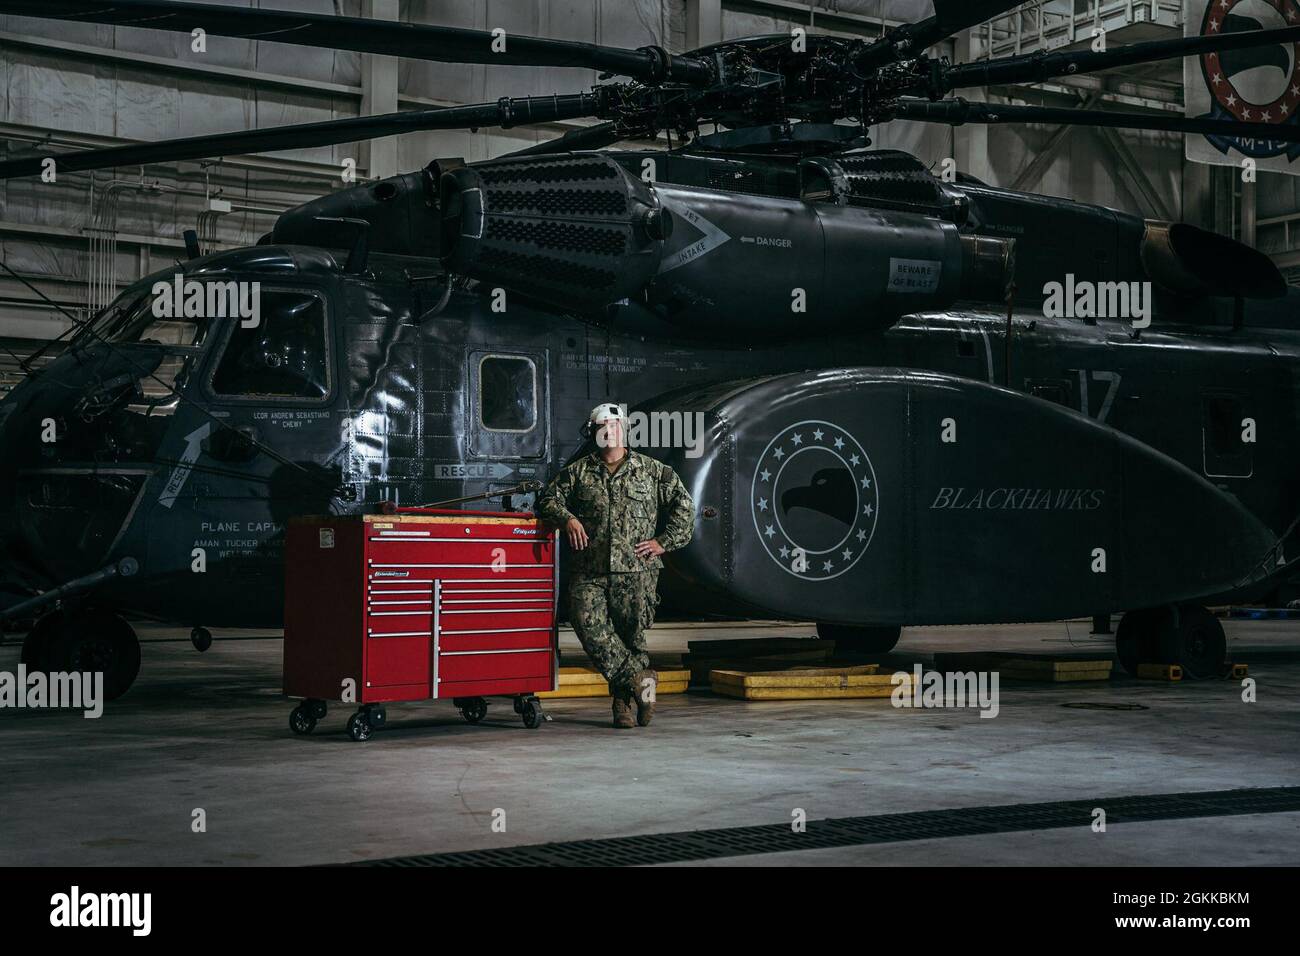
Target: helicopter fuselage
(380, 385)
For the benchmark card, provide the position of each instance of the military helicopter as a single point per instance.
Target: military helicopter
(895, 430)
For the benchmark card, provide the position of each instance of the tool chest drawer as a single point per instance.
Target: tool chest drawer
(426, 605)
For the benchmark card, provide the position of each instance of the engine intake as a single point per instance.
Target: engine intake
(577, 231)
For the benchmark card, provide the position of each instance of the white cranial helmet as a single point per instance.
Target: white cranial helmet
(607, 411)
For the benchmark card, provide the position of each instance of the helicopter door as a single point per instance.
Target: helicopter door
(509, 415)
(1225, 436)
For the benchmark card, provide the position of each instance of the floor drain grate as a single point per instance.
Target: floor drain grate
(858, 831)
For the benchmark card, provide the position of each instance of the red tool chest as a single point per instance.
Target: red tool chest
(419, 605)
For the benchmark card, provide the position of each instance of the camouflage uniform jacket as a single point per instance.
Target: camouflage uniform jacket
(643, 499)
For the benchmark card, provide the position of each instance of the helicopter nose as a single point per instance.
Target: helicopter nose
(72, 469)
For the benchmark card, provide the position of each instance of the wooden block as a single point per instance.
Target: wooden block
(1055, 671)
(808, 683)
(568, 691)
(701, 666)
(801, 693)
(1238, 671)
(1169, 672)
(588, 682)
(575, 676)
(803, 676)
(1040, 667)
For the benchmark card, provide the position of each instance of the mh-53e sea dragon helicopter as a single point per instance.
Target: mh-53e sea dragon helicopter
(895, 431)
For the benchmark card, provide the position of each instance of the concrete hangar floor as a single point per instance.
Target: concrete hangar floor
(915, 786)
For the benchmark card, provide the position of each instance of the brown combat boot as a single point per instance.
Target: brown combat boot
(623, 709)
(647, 685)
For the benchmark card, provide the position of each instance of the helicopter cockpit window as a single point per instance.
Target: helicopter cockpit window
(286, 355)
(507, 393)
(140, 324)
(130, 319)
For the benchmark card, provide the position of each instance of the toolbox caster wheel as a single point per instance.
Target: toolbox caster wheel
(376, 717)
(531, 712)
(316, 708)
(518, 704)
(474, 710)
(201, 638)
(301, 720)
(359, 727)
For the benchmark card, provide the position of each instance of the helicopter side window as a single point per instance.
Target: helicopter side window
(507, 393)
(285, 355)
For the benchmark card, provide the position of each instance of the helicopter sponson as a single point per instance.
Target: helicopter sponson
(901, 496)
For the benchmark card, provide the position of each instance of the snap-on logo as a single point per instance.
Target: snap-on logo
(523, 531)
(392, 574)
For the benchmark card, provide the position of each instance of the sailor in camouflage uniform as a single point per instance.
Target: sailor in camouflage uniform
(620, 511)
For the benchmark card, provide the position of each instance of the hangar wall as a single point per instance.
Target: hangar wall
(74, 85)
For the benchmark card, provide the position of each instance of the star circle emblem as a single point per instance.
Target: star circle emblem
(1270, 96)
(814, 499)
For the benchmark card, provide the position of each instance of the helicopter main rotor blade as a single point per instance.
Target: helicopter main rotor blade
(589, 137)
(361, 35)
(505, 113)
(955, 112)
(908, 40)
(1037, 67)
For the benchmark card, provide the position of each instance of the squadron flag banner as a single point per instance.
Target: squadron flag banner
(1260, 85)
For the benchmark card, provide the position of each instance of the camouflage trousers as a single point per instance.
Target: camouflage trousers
(610, 614)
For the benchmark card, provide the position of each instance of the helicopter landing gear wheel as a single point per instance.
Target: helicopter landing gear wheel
(530, 709)
(1189, 636)
(1194, 640)
(301, 720)
(859, 639)
(92, 640)
(473, 709)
